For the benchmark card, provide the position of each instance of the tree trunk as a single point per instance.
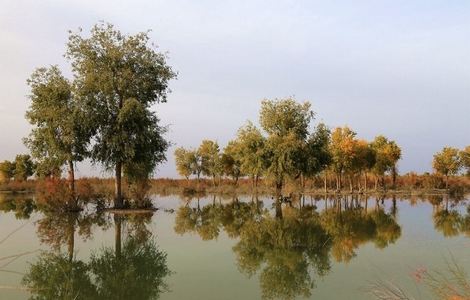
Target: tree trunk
(447, 182)
(117, 187)
(376, 182)
(365, 182)
(325, 183)
(351, 188)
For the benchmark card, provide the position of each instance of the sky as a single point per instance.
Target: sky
(400, 68)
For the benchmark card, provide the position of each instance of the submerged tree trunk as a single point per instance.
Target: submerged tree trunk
(117, 235)
(71, 240)
(118, 203)
(72, 201)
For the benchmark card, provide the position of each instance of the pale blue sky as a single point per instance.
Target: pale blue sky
(399, 68)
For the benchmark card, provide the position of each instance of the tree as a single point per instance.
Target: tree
(387, 154)
(342, 149)
(251, 146)
(315, 157)
(24, 167)
(364, 159)
(184, 162)
(286, 122)
(394, 156)
(465, 159)
(60, 134)
(7, 170)
(230, 161)
(210, 159)
(447, 162)
(118, 78)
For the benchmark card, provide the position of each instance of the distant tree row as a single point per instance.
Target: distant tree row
(19, 169)
(286, 149)
(104, 112)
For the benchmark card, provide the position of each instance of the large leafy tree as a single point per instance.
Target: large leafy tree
(363, 160)
(211, 159)
(447, 162)
(118, 78)
(387, 155)
(287, 124)
(250, 148)
(60, 134)
(315, 157)
(184, 162)
(230, 160)
(342, 149)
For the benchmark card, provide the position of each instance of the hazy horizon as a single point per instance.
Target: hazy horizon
(396, 68)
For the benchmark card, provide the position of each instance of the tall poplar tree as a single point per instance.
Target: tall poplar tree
(118, 78)
(60, 133)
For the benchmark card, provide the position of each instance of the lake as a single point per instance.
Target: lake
(229, 247)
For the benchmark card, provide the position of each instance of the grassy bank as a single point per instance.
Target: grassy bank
(104, 187)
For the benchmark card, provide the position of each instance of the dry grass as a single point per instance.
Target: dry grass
(452, 283)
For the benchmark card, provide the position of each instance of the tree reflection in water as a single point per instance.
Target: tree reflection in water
(134, 269)
(291, 246)
(448, 219)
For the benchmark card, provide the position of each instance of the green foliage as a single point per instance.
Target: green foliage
(138, 272)
(7, 170)
(287, 123)
(24, 167)
(184, 162)
(210, 159)
(284, 116)
(387, 154)
(316, 156)
(54, 276)
(117, 79)
(250, 145)
(60, 133)
(231, 160)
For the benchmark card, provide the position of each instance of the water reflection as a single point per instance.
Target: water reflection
(286, 244)
(448, 218)
(22, 205)
(291, 244)
(134, 269)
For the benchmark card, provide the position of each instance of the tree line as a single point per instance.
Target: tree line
(285, 148)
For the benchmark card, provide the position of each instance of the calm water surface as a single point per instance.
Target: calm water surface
(230, 248)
